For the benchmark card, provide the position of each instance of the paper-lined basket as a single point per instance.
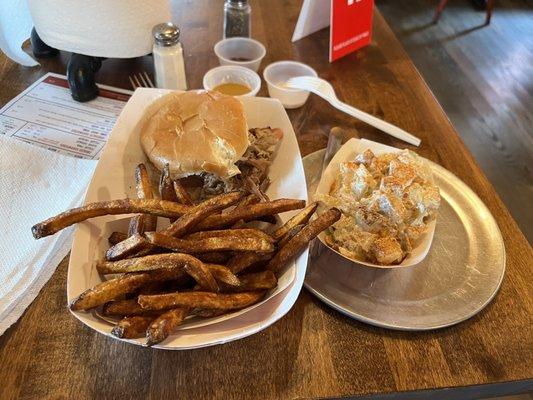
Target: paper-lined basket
(347, 153)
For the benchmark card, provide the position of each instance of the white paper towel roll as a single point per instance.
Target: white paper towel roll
(102, 28)
(15, 28)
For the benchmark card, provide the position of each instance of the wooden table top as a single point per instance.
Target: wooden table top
(313, 351)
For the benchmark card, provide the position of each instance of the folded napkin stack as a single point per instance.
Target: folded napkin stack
(35, 184)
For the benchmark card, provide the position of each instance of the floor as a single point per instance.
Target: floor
(483, 78)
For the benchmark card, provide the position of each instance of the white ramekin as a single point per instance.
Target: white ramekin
(232, 74)
(240, 47)
(276, 74)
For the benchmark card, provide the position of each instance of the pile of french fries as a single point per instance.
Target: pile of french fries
(211, 260)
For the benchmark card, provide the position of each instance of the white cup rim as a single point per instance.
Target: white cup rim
(262, 48)
(274, 64)
(245, 71)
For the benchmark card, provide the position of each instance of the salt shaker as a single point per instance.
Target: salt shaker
(237, 20)
(168, 57)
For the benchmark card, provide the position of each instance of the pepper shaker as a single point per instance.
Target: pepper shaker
(237, 20)
(169, 64)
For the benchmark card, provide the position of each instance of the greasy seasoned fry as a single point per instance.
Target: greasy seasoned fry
(122, 307)
(289, 235)
(210, 244)
(200, 312)
(249, 213)
(255, 281)
(181, 193)
(240, 262)
(302, 238)
(142, 222)
(129, 247)
(147, 263)
(117, 237)
(245, 232)
(247, 201)
(201, 274)
(200, 212)
(163, 325)
(223, 274)
(302, 217)
(209, 300)
(140, 247)
(214, 257)
(166, 188)
(124, 206)
(166, 274)
(132, 327)
(108, 290)
(240, 224)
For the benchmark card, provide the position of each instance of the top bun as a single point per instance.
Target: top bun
(196, 131)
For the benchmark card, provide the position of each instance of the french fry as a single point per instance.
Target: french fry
(214, 301)
(142, 222)
(254, 281)
(127, 248)
(201, 274)
(108, 290)
(147, 263)
(166, 188)
(240, 224)
(160, 208)
(200, 312)
(117, 237)
(302, 217)
(140, 247)
(289, 235)
(210, 244)
(163, 325)
(223, 274)
(249, 213)
(132, 327)
(245, 232)
(247, 201)
(214, 257)
(122, 307)
(240, 262)
(200, 212)
(302, 239)
(181, 193)
(176, 275)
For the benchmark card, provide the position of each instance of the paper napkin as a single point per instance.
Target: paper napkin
(35, 184)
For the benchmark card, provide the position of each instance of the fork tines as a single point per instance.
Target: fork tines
(140, 80)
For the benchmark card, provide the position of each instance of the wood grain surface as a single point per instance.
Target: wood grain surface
(313, 351)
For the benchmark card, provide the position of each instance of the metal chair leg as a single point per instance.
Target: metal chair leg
(438, 11)
(490, 5)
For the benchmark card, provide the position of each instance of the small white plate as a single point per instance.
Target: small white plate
(114, 179)
(347, 153)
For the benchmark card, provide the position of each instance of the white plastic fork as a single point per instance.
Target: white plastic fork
(324, 89)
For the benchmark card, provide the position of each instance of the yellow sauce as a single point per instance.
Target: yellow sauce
(232, 89)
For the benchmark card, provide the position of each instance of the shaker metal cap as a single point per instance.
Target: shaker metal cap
(166, 34)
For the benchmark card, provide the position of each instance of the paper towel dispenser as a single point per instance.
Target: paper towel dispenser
(94, 30)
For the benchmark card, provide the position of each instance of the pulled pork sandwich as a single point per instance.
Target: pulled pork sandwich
(204, 135)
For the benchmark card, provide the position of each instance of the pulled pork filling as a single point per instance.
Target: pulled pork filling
(254, 165)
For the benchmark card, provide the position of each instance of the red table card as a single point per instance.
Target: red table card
(350, 26)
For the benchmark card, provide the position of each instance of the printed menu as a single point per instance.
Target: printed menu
(46, 115)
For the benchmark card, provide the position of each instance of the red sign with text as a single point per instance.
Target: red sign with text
(351, 26)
